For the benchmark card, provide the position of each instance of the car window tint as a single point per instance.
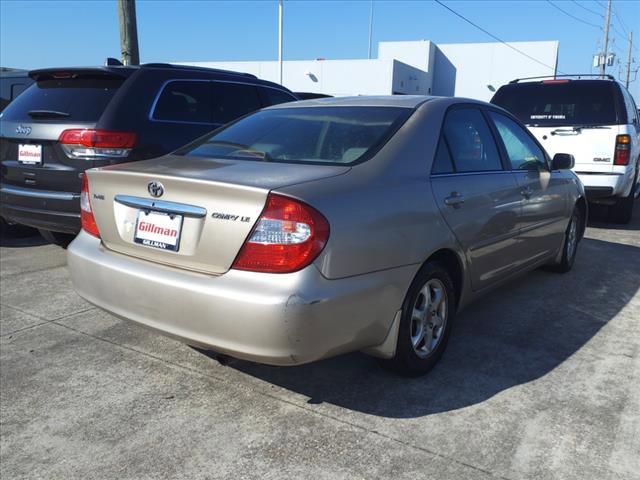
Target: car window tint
(17, 89)
(580, 102)
(470, 141)
(629, 105)
(83, 99)
(233, 100)
(184, 101)
(326, 135)
(274, 96)
(522, 151)
(442, 162)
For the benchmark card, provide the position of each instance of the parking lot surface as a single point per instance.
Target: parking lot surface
(541, 380)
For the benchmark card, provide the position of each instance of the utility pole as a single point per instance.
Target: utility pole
(280, 38)
(629, 59)
(370, 27)
(603, 60)
(128, 32)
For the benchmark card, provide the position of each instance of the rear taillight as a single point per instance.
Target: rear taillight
(90, 143)
(622, 153)
(87, 219)
(288, 236)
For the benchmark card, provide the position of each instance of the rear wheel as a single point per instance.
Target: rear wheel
(570, 246)
(57, 238)
(427, 316)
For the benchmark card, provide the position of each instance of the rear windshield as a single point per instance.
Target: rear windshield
(550, 104)
(69, 99)
(326, 135)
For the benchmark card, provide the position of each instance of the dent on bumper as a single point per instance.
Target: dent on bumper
(280, 319)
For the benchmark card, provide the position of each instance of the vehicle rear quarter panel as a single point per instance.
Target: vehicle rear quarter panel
(382, 214)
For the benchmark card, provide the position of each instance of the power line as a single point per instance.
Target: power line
(497, 38)
(601, 4)
(588, 9)
(620, 22)
(573, 16)
(622, 25)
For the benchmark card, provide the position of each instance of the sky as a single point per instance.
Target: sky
(49, 33)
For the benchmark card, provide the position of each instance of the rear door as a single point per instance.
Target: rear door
(543, 217)
(479, 199)
(580, 117)
(32, 123)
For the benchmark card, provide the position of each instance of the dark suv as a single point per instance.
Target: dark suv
(73, 119)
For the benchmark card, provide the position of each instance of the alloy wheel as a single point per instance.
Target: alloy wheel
(429, 317)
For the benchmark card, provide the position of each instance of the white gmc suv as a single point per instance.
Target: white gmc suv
(596, 120)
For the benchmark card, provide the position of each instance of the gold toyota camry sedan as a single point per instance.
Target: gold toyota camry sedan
(316, 228)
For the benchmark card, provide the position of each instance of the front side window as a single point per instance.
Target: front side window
(523, 152)
(184, 101)
(323, 135)
(470, 141)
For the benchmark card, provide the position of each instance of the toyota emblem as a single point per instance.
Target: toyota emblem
(156, 189)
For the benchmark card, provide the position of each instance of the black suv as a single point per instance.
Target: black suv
(72, 119)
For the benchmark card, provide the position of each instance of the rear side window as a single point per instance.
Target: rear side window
(184, 101)
(73, 99)
(469, 138)
(274, 96)
(630, 106)
(580, 102)
(522, 151)
(442, 163)
(233, 100)
(17, 89)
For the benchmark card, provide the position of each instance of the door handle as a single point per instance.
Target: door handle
(454, 200)
(526, 192)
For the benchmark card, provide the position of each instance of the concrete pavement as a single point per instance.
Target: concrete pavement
(541, 380)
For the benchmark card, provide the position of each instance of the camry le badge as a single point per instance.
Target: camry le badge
(156, 189)
(22, 130)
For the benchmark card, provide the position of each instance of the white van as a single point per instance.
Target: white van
(596, 120)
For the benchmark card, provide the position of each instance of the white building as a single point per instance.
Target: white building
(472, 70)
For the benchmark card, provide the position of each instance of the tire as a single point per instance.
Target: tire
(57, 238)
(570, 244)
(622, 211)
(13, 230)
(428, 312)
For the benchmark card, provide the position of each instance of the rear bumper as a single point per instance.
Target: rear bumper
(48, 210)
(597, 185)
(279, 319)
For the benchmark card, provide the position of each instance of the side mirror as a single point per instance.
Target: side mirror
(562, 161)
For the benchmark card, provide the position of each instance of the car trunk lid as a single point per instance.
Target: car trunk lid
(214, 204)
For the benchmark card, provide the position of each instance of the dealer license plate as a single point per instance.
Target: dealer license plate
(158, 229)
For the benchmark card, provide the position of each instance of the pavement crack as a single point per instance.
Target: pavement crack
(39, 324)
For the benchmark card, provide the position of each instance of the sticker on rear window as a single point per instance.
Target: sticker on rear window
(548, 117)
